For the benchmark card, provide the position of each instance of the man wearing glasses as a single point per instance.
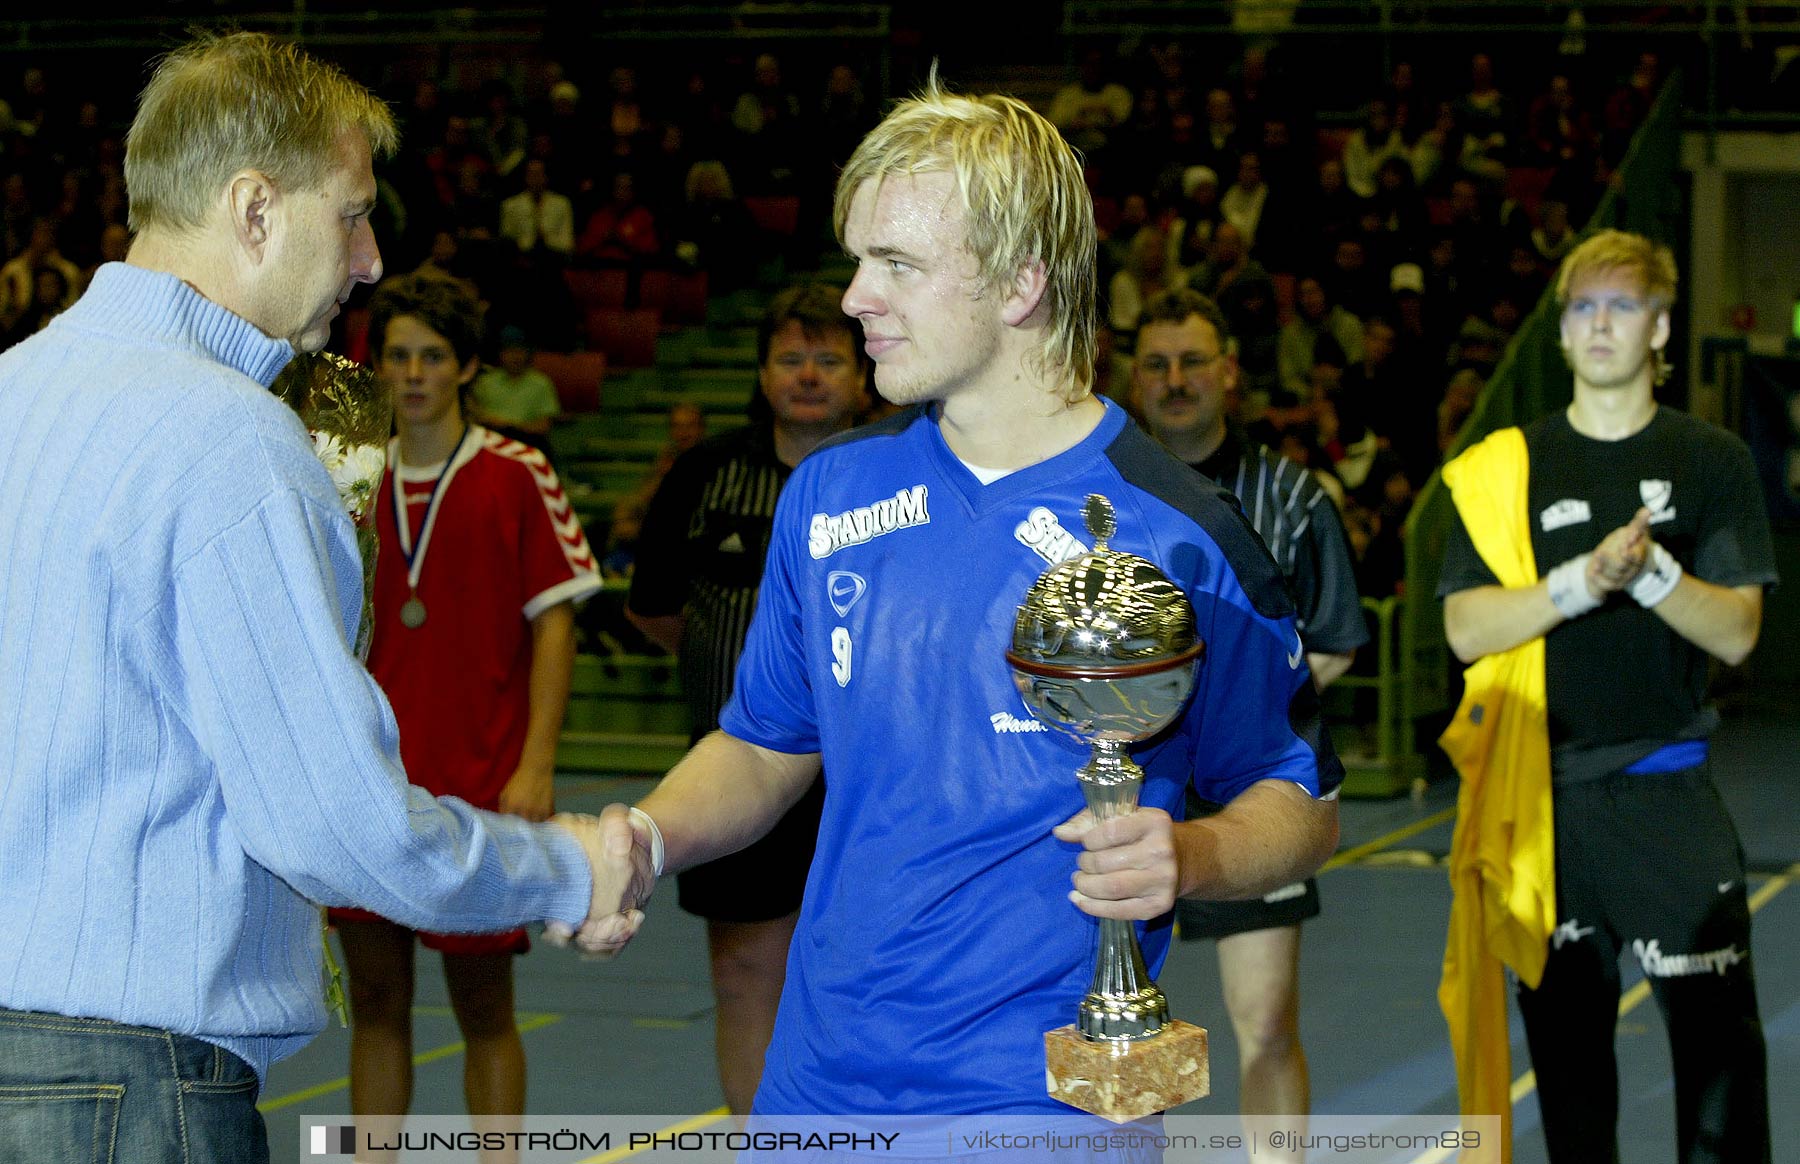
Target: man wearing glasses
(1185, 376)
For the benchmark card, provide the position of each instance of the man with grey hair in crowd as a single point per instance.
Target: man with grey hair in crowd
(195, 755)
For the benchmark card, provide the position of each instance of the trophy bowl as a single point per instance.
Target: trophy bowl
(1105, 650)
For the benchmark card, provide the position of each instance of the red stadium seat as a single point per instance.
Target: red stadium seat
(628, 337)
(577, 376)
(679, 295)
(593, 290)
(775, 215)
(1525, 185)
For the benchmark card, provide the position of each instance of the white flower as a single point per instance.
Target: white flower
(355, 470)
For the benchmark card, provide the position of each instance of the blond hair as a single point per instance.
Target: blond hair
(1651, 263)
(1024, 199)
(224, 103)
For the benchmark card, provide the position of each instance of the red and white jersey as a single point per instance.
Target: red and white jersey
(503, 545)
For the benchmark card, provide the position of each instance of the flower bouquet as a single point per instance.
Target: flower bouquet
(349, 414)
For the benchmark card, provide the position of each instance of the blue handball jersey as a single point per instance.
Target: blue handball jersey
(937, 943)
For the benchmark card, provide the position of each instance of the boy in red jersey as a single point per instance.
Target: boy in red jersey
(482, 560)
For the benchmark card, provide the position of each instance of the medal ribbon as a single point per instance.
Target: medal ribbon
(415, 555)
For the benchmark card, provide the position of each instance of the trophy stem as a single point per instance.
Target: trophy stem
(1123, 1003)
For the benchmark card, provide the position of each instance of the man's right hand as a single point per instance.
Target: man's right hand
(619, 860)
(1620, 556)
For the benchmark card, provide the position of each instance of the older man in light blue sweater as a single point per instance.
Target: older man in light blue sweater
(191, 756)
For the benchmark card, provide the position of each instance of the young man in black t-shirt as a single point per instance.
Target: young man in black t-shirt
(1648, 529)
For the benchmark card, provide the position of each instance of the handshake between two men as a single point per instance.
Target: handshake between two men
(625, 854)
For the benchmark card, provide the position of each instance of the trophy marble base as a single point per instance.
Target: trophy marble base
(1127, 1081)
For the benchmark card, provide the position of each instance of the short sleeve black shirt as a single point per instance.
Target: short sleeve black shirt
(1621, 682)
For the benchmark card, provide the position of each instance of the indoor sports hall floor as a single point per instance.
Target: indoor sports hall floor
(635, 1035)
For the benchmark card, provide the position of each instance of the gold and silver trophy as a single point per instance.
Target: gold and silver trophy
(1105, 650)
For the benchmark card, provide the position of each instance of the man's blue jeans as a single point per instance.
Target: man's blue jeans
(78, 1090)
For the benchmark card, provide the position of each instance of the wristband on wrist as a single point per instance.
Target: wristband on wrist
(1569, 588)
(1657, 580)
(656, 840)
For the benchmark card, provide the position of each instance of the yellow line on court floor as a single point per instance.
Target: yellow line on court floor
(526, 1024)
(692, 1124)
(1351, 856)
(1525, 1084)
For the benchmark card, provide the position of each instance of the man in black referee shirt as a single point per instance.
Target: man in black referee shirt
(700, 560)
(1184, 374)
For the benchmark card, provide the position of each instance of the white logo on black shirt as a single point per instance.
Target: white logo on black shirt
(1657, 494)
(1569, 511)
(1044, 534)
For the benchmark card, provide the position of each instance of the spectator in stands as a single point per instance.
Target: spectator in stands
(844, 115)
(1485, 113)
(444, 260)
(1401, 215)
(1286, 164)
(1558, 131)
(1115, 243)
(1228, 261)
(1334, 208)
(538, 220)
(1315, 315)
(622, 535)
(1196, 217)
(501, 135)
(1244, 203)
(1144, 142)
(699, 564)
(1552, 238)
(422, 121)
(1524, 277)
(687, 428)
(570, 130)
(1436, 155)
(1255, 92)
(1450, 287)
(1089, 109)
(473, 208)
(1145, 274)
(515, 399)
(1412, 113)
(1628, 106)
(1220, 140)
(1254, 317)
(622, 232)
(1369, 145)
(770, 123)
(629, 129)
(715, 232)
(1351, 280)
(1369, 384)
(18, 289)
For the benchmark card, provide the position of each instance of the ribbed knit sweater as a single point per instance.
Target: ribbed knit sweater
(190, 753)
